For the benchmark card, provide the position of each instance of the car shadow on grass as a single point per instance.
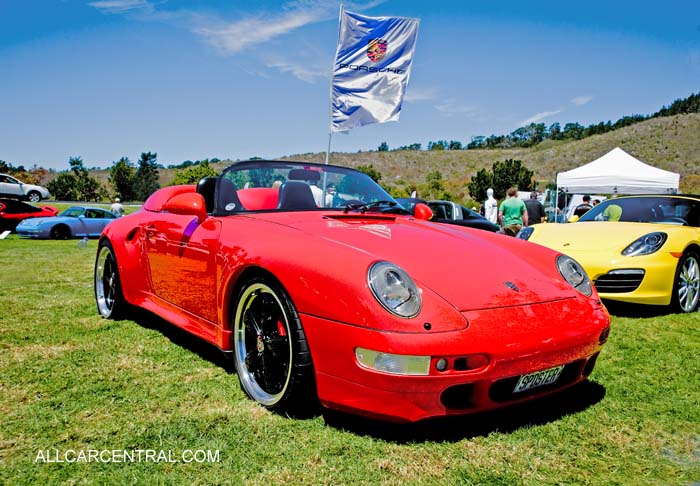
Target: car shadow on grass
(455, 428)
(182, 338)
(537, 412)
(625, 309)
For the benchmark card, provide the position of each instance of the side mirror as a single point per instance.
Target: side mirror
(422, 212)
(188, 203)
(573, 219)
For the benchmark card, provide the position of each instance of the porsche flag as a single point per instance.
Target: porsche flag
(371, 71)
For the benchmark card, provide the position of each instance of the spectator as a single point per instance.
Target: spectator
(491, 207)
(512, 215)
(117, 207)
(584, 207)
(535, 210)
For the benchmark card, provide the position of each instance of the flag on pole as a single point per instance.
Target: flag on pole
(371, 71)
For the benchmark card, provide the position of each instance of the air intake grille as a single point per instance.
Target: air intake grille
(619, 281)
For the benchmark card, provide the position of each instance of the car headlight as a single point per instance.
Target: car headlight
(394, 289)
(574, 274)
(525, 233)
(646, 244)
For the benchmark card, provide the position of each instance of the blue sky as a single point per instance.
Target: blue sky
(102, 79)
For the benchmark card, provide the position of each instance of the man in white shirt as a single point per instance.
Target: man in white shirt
(491, 207)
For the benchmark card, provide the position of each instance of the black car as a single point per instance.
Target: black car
(448, 212)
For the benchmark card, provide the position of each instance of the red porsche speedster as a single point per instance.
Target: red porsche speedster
(321, 287)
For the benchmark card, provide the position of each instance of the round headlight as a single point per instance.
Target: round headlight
(394, 289)
(574, 274)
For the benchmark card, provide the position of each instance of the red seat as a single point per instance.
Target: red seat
(258, 198)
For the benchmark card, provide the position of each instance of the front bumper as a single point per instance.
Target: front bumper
(517, 341)
(656, 287)
(31, 232)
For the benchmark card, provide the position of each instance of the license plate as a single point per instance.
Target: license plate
(538, 378)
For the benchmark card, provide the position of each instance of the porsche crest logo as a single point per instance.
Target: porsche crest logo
(376, 49)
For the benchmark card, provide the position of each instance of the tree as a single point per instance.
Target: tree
(434, 187)
(503, 175)
(192, 175)
(122, 177)
(383, 147)
(439, 145)
(146, 176)
(371, 171)
(78, 186)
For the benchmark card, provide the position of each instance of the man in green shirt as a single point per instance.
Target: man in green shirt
(512, 214)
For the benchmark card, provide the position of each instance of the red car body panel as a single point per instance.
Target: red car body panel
(11, 212)
(187, 271)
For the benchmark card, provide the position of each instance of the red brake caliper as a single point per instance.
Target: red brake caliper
(281, 329)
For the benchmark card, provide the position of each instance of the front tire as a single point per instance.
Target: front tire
(686, 285)
(108, 288)
(34, 196)
(271, 354)
(60, 232)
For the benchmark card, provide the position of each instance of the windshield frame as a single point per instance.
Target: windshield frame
(650, 209)
(354, 190)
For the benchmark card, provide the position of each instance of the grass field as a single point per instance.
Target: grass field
(71, 381)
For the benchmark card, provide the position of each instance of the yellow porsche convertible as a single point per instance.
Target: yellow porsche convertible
(640, 249)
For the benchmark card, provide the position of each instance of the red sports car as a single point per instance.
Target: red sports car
(13, 211)
(320, 286)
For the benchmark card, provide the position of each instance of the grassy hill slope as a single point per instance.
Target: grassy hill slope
(670, 143)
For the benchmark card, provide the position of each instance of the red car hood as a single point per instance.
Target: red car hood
(471, 269)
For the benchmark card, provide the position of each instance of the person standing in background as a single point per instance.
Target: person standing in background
(512, 215)
(491, 207)
(535, 210)
(117, 207)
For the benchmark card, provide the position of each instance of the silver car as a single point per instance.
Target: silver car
(11, 187)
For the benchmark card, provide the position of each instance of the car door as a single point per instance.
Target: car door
(95, 221)
(10, 186)
(181, 256)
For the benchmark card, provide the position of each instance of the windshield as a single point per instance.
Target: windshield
(298, 186)
(72, 212)
(661, 209)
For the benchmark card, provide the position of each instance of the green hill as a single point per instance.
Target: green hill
(670, 143)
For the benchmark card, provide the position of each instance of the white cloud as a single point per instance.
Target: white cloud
(450, 107)
(121, 6)
(413, 95)
(300, 71)
(236, 36)
(581, 100)
(538, 117)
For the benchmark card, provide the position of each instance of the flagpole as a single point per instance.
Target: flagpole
(330, 89)
(328, 151)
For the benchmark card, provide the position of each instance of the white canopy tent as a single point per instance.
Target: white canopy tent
(617, 172)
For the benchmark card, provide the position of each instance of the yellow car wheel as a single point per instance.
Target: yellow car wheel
(686, 288)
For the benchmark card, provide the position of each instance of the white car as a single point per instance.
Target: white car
(11, 187)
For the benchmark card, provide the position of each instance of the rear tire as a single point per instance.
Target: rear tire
(108, 287)
(60, 232)
(686, 285)
(271, 355)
